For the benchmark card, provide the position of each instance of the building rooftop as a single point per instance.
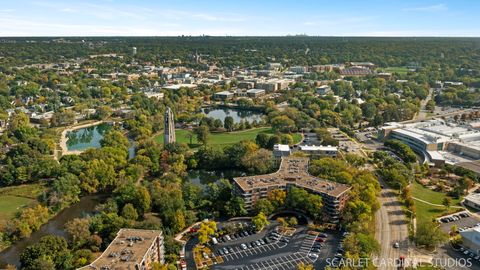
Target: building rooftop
(293, 170)
(126, 251)
(356, 71)
(255, 90)
(318, 148)
(281, 147)
(423, 135)
(224, 93)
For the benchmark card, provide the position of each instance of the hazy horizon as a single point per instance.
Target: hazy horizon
(375, 18)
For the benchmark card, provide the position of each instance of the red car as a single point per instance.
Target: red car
(321, 240)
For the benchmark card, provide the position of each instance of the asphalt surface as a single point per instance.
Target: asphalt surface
(391, 227)
(278, 255)
(451, 259)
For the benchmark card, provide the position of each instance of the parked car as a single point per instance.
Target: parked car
(313, 256)
(244, 246)
(225, 250)
(396, 245)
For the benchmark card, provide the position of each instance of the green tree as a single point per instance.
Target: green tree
(129, 212)
(429, 234)
(293, 221)
(228, 123)
(262, 140)
(203, 133)
(277, 197)
(264, 206)
(283, 124)
(260, 221)
(235, 207)
(78, 231)
(447, 202)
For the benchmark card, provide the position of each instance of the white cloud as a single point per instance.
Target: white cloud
(432, 8)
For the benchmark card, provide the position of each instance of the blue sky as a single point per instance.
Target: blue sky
(239, 17)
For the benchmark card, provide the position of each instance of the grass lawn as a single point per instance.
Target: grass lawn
(399, 70)
(220, 140)
(9, 205)
(13, 199)
(31, 191)
(425, 211)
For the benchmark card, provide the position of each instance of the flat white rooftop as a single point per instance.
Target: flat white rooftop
(318, 148)
(281, 147)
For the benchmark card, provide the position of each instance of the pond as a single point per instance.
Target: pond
(88, 137)
(54, 226)
(236, 114)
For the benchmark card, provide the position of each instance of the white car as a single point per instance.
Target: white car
(396, 245)
(243, 246)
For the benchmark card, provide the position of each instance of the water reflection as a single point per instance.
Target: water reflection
(89, 137)
(236, 114)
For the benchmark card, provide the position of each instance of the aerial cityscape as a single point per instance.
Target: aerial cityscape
(228, 135)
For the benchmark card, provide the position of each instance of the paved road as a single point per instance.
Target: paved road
(391, 227)
(423, 112)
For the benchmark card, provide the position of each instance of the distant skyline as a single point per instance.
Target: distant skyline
(239, 18)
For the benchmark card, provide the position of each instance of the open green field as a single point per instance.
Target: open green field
(425, 211)
(220, 140)
(10, 205)
(13, 199)
(399, 70)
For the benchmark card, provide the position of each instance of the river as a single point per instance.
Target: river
(55, 226)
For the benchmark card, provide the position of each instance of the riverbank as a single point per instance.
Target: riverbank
(55, 226)
(64, 139)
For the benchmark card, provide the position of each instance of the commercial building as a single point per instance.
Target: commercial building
(356, 71)
(323, 90)
(471, 239)
(131, 249)
(281, 150)
(437, 140)
(223, 95)
(269, 86)
(274, 66)
(368, 65)
(319, 150)
(293, 172)
(255, 92)
(298, 69)
(473, 200)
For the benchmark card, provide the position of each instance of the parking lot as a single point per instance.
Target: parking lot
(462, 220)
(284, 253)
